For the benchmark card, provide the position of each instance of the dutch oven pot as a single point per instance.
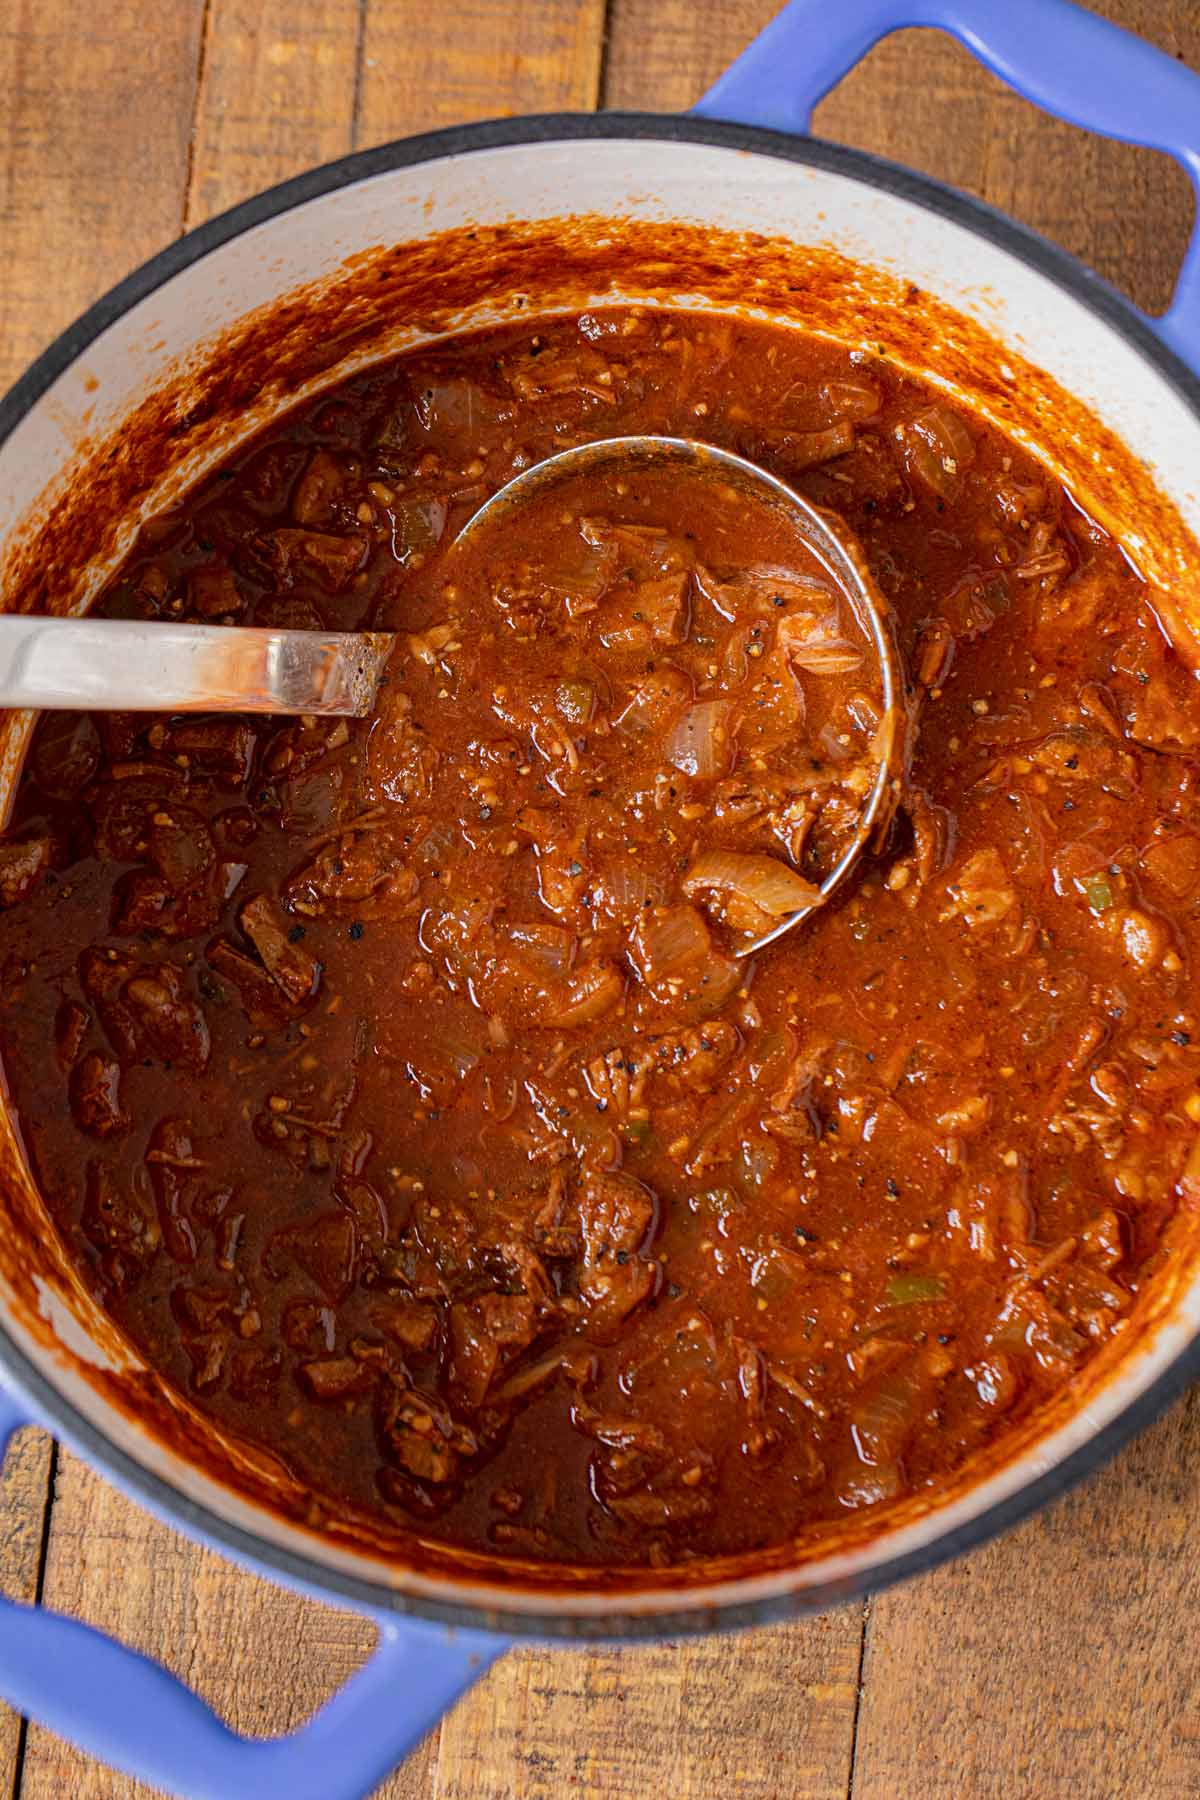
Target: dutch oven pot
(741, 163)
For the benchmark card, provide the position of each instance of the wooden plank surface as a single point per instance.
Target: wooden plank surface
(276, 86)
(767, 1715)
(24, 1499)
(94, 128)
(1058, 1662)
(425, 66)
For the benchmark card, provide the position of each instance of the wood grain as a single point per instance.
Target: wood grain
(275, 96)
(1058, 1662)
(94, 132)
(770, 1714)
(424, 65)
(24, 1498)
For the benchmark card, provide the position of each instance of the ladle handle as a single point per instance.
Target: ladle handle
(1066, 60)
(129, 1712)
(123, 665)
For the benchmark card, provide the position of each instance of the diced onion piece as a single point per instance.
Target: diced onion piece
(938, 447)
(1086, 1290)
(779, 1275)
(417, 526)
(441, 842)
(458, 408)
(533, 377)
(755, 1164)
(761, 588)
(723, 1123)
(652, 612)
(763, 881)
(550, 949)
(654, 700)
(805, 449)
(714, 1205)
(66, 753)
(700, 743)
(852, 399)
(817, 646)
(527, 1380)
(865, 716)
(668, 941)
(981, 891)
(647, 547)
(459, 1051)
(454, 935)
(883, 1417)
(1013, 1328)
(578, 572)
(711, 985)
(1172, 862)
(870, 1487)
(594, 991)
(624, 888)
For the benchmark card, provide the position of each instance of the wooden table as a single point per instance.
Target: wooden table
(1063, 1661)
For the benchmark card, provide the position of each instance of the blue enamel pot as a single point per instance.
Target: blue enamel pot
(753, 213)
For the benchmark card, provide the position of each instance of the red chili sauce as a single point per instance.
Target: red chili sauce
(401, 1087)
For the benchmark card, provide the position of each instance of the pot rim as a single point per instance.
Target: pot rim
(305, 1572)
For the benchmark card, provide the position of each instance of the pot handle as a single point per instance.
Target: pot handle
(1066, 60)
(129, 1712)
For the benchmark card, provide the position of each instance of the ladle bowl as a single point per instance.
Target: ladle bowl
(827, 538)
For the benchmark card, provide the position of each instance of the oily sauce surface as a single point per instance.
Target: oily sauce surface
(399, 1086)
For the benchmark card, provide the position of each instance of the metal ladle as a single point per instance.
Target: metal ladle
(828, 539)
(123, 665)
(89, 664)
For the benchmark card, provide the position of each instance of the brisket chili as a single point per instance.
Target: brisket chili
(399, 1086)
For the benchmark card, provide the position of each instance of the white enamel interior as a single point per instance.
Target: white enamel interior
(655, 180)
